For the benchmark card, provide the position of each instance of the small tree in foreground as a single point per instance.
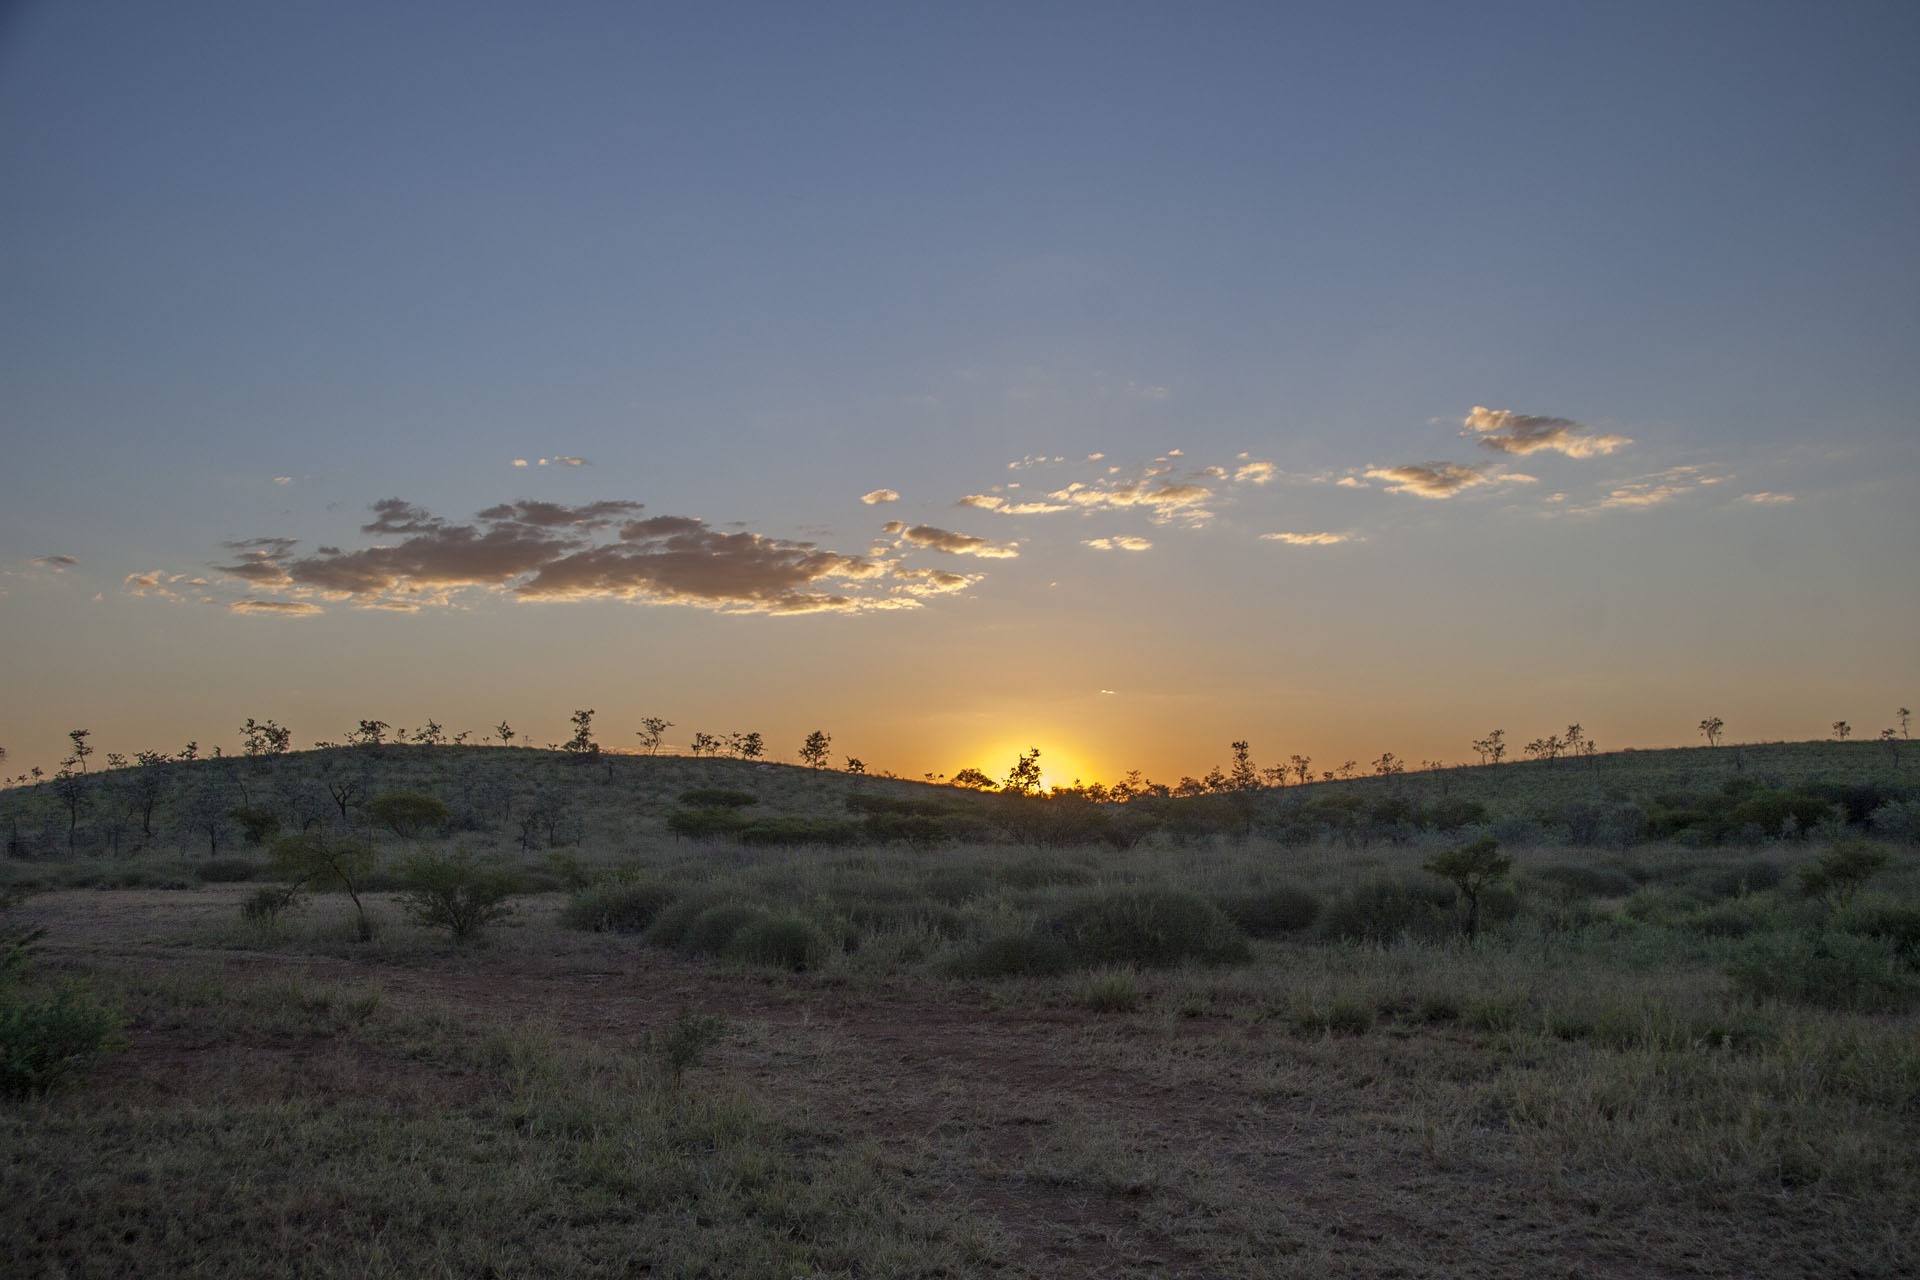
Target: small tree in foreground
(1472, 868)
(454, 892)
(314, 858)
(43, 1040)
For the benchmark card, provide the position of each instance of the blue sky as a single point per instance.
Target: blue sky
(262, 267)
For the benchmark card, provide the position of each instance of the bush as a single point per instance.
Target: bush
(1731, 919)
(1039, 871)
(1840, 871)
(1268, 913)
(43, 1041)
(780, 941)
(1110, 991)
(1752, 876)
(1593, 882)
(265, 905)
(1834, 971)
(669, 927)
(454, 892)
(708, 933)
(257, 826)
(1899, 821)
(227, 870)
(800, 831)
(615, 908)
(1453, 813)
(1150, 927)
(1013, 955)
(1383, 912)
(705, 824)
(408, 814)
(1896, 923)
(718, 798)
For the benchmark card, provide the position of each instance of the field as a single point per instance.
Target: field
(864, 1027)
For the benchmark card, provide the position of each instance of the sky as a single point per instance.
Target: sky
(1121, 380)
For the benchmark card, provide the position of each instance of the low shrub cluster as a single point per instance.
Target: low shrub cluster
(44, 1039)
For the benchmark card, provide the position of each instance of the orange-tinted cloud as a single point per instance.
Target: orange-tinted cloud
(1308, 539)
(1523, 433)
(958, 544)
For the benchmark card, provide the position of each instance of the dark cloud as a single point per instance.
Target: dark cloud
(552, 515)
(958, 544)
(58, 564)
(545, 551)
(275, 608)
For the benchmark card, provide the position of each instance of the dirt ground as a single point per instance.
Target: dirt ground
(1164, 1141)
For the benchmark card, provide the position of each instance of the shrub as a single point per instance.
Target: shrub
(1732, 919)
(312, 857)
(1039, 871)
(952, 884)
(669, 927)
(705, 824)
(1593, 882)
(1896, 923)
(1268, 913)
(1473, 868)
(708, 933)
(1150, 927)
(42, 1041)
(408, 814)
(718, 798)
(1453, 813)
(1840, 871)
(454, 892)
(615, 908)
(780, 941)
(1752, 876)
(1110, 991)
(227, 870)
(1013, 955)
(1834, 971)
(1383, 912)
(265, 905)
(799, 831)
(257, 826)
(1898, 820)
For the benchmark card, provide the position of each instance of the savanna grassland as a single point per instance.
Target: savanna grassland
(429, 1010)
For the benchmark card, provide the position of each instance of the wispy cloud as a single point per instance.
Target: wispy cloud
(1162, 502)
(876, 496)
(276, 608)
(283, 479)
(1656, 489)
(1255, 472)
(1522, 433)
(958, 544)
(1766, 499)
(1125, 542)
(59, 564)
(1308, 539)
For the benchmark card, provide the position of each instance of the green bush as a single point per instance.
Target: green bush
(1269, 913)
(257, 826)
(718, 798)
(1833, 971)
(705, 824)
(800, 831)
(42, 1041)
(1731, 919)
(615, 908)
(782, 942)
(1896, 923)
(1593, 882)
(1841, 871)
(408, 814)
(265, 905)
(669, 927)
(1453, 813)
(227, 870)
(1154, 928)
(1383, 912)
(454, 892)
(1013, 955)
(708, 933)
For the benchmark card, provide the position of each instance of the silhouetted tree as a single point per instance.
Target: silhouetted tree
(652, 730)
(1841, 729)
(856, 765)
(973, 779)
(430, 736)
(705, 744)
(1493, 747)
(1244, 777)
(581, 745)
(1301, 767)
(371, 733)
(1471, 868)
(80, 748)
(504, 732)
(813, 752)
(1711, 727)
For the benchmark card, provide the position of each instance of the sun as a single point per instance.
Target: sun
(1060, 765)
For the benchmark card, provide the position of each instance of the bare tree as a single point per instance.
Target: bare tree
(1493, 747)
(651, 732)
(1711, 727)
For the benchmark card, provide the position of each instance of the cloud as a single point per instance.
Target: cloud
(1765, 499)
(1521, 434)
(1308, 539)
(59, 564)
(878, 496)
(1174, 500)
(519, 462)
(1655, 489)
(1256, 472)
(276, 608)
(283, 479)
(1001, 506)
(571, 462)
(1352, 482)
(1430, 479)
(958, 544)
(542, 551)
(1123, 543)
